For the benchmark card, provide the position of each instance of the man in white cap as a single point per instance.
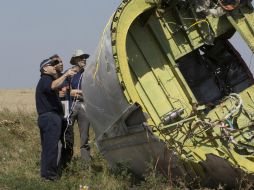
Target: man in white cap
(77, 109)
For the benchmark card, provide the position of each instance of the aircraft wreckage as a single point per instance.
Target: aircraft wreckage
(166, 86)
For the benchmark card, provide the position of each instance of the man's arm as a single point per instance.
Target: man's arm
(58, 82)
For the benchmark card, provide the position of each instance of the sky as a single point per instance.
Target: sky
(32, 30)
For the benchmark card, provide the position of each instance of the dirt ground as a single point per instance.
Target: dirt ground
(17, 99)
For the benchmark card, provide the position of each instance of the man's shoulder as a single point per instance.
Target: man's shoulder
(45, 82)
(46, 77)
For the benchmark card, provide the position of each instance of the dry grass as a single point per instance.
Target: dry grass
(17, 99)
(20, 153)
(20, 157)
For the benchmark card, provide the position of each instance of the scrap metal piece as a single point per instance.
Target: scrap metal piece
(149, 63)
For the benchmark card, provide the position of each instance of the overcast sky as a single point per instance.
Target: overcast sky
(31, 30)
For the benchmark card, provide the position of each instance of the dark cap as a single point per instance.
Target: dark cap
(46, 62)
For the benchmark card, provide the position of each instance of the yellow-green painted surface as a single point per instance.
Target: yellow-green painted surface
(146, 49)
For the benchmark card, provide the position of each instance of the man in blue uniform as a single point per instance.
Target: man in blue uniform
(78, 109)
(50, 114)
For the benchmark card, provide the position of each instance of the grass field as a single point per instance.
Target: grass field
(20, 155)
(21, 99)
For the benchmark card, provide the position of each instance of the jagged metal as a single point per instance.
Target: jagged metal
(165, 87)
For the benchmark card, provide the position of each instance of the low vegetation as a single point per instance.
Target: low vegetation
(20, 156)
(20, 163)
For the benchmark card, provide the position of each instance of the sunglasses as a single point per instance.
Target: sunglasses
(55, 62)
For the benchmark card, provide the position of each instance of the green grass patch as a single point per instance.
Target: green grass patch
(20, 162)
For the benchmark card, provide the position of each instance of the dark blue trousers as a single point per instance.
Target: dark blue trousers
(67, 139)
(50, 130)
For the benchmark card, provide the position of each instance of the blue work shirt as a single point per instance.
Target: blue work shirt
(47, 100)
(76, 80)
